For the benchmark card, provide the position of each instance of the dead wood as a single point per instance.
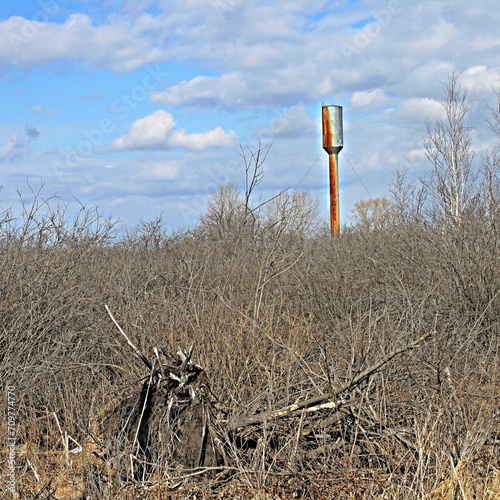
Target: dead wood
(134, 348)
(175, 424)
(172, 421)
(327, 401)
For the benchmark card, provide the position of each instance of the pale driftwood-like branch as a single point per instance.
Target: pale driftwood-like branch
(330, 400)
(129, 342)
(185, 357)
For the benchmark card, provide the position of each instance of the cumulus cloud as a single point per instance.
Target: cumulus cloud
(212, 139)
(18, 145)
(368, 99)
(269, 65)
(294, 122)
(283, 86)
(209, 91)
(159, 131)
(122, 45)
(147, 133)
(481, 80)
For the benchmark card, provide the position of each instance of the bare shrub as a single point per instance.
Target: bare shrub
(280, 314)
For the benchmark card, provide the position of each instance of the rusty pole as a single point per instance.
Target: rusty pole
(332, 144)
(334, 194)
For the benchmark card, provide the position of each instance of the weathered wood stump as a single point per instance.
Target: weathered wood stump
(173, 425)
(172, 421)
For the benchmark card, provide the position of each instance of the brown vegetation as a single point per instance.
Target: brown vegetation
(279, 314)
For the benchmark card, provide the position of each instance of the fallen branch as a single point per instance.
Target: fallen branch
(134, 348)
(330, 400)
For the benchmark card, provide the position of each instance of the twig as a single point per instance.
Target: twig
(144, 405)
(48, 487)
(155, 350)
(325, 400)
(64, 437)
(78, 448)
(34, 470)
(134, 348)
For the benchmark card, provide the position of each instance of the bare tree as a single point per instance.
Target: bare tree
(452, 183)
(293, 212)
(374, 213)
(494, 122)
(254, 173)
(490, 172)
(407, 197)
(228, 211)
(225, 212)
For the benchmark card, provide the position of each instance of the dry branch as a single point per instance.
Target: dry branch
(330, 400)
(129, 342)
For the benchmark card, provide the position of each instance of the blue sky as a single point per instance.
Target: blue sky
(140, 107)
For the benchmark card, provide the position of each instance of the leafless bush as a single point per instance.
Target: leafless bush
(280, 314)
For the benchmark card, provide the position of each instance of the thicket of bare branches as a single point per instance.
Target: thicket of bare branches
(280, 314)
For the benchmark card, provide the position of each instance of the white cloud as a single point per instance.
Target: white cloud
(159, 131)
(122, 45)
(417, 154)
(147, 133)
(161, 170)
(481, 80)
(227, 90)
(38, 108)
(436, 37)
(425, 78)
(419, 110)
(485, 42)
(283, 86)
(294, 122)
(215, 138)
(368, 99)
(18, 145)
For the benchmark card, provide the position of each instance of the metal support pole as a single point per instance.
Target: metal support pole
(332, 144)
(334, 194)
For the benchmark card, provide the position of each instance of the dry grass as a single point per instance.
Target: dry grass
(276, 318)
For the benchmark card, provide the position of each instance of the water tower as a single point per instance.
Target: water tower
(333, 142)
